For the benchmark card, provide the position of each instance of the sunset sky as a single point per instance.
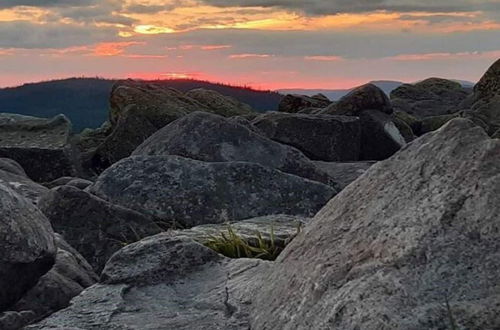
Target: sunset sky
(262, 43)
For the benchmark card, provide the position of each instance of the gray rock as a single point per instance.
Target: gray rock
(416, 231)
(41, 146)
(218, 103)
(360, 99)
(319, 137)
(190, 192)
(13, 176)
(212, 138)
(59, 182)
(430, 124)
(344, 173)
(405, 129)
(380, 137)
(293, 103)
(80, 183)
(430, 97)
(16, 320)
(70, 275)
(94, 227)
(11, 166)
(27, 248)
(165, 282)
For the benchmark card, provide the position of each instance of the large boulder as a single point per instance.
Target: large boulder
(94, 227)
(319, 137)
(27, 248)
(346, 172)
(223, 105)
(13, 176)
(190, 192)
(293, 103)
(360, 99)
(165, 282)
(413, 244)
(41, 146)
(212, 138)
(430, 97)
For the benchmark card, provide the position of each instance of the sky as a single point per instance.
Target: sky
(266, 44)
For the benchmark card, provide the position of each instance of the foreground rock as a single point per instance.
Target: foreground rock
(417, 231)
(211, 138)
(319, 137)
(430, 97)
(27, 248)
(13, 176)
(165, 282)
(344, 173)
(220, 104)
(41, 146)
(94, 227)
(293, 103)
(190, 192)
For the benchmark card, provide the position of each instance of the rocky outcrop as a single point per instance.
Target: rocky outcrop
(344, 173)
(165, 282)
(212, 138)
(430, 97)
(319, 137)
(94, 227)
(12, 175)
(41, 146)
(293, 103)
(223, 105)
(360, 99)
(27, 248)
(191, 192)
(413, 244)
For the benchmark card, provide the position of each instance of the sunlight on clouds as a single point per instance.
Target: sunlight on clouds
(113, 48)
(152, 29)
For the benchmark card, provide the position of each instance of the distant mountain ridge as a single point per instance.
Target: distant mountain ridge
(85, 101)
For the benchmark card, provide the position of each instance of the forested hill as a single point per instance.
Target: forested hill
(85, 100)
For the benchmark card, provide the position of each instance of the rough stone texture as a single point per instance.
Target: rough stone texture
(94, 227)
(366, 97)
(430, 97)
(220, 104)
(165, 282)
(380, 138)
(27, 248)
(344, 173)
(80, 183)
(387, 253)
(191, 192)
(13, 176)
(319, 137)
(430, 124)
(212, 138)
(41, 146)
(294, 103)
(69, 276)
(485, 110)
(16, 320)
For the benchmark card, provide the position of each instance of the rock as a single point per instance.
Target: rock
(415, 232)
(16, 320)
(344, 173)
(414, 123)
(405, 129)
(380, 138)
(496, 135)
(80, 183)
(27, 248)
(70, 275)
(212, 138)
(319, 137)
(94, 227)
(41, 146)
(190, 192)
(165, 282)
(12, 175)
(430, 97)
(223, 105)
(59, 182)
(311, 110)
(295, 103)
(430, 124)
(360, 99)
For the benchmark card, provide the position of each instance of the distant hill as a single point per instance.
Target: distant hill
(85, 100)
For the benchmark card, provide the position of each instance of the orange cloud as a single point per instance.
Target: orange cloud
(244, 56)
(215, 47)
(113, 48)
(324, 58)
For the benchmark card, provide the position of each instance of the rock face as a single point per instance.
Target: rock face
(319, 137)
(27, 248)
(344, 173)
(363, 98)
(94, 227)
(69, 276)
(293, 103)
(430, 97)
(41, 146)
(486, 100)
(12, 175)
(220, 104)
(417, 231)
(212, 138)
(190, 192)
(165, 282)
